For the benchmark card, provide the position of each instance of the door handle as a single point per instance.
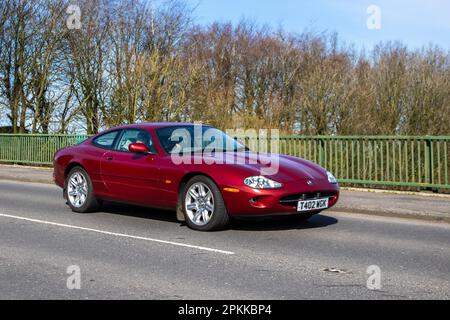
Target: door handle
(109, 158)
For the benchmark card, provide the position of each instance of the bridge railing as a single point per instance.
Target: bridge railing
(421, 162)
(34, 149)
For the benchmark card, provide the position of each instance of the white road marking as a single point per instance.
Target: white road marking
(117, 234)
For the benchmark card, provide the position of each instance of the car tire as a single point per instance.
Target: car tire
(213, 220)
(79, 192)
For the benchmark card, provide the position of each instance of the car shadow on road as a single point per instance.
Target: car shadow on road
(282, 223)
(277, 223)
(138, 212)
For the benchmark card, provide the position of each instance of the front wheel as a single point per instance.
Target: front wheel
(203, 205)
(79, 191)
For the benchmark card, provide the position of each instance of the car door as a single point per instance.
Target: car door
(132, 177)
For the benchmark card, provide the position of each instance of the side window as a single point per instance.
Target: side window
(106, 140)
(135, 136)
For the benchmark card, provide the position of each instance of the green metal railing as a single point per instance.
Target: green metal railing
(421, 162)
(34, 149)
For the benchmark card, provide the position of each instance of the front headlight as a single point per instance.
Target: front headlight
(331, 178)
(261, 183)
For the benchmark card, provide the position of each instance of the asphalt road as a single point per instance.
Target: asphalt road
(136, 253)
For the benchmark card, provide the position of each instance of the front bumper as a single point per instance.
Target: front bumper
(58, 176)
(252, 202)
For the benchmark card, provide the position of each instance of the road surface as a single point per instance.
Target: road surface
(129, 252)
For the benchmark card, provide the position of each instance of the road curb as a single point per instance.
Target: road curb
(32, 175)
(407, 193)
(409, 216)
(20, 179)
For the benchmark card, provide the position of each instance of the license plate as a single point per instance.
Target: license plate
(312, 205)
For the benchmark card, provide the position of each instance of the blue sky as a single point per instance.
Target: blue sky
(414, 22)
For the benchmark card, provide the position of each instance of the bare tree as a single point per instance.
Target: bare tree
(45, 61)
(89, 49)
(14, 65)
(140, 60)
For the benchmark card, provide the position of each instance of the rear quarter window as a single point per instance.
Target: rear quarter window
(106, 140)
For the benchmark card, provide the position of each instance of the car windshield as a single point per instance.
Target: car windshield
(189, 139)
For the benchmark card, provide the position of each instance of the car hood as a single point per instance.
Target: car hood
(280, 168)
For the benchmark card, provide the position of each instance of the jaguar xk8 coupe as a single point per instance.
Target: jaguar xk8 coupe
(200, 172)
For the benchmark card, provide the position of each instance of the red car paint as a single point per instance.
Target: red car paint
(154, 180)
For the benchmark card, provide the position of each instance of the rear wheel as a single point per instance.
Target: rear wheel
(203, 205)
(80, 192)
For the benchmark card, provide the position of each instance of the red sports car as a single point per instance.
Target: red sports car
(199, 171)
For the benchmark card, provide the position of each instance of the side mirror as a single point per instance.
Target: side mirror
(138, 148)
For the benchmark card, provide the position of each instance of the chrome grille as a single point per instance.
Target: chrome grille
(295, 198)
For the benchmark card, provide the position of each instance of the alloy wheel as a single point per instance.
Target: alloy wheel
(199, 204)
(77, 189)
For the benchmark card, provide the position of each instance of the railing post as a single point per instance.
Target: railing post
(430, 162)
(321, 152)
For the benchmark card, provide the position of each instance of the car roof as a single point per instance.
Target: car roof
(146, 125)
(155, 125)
